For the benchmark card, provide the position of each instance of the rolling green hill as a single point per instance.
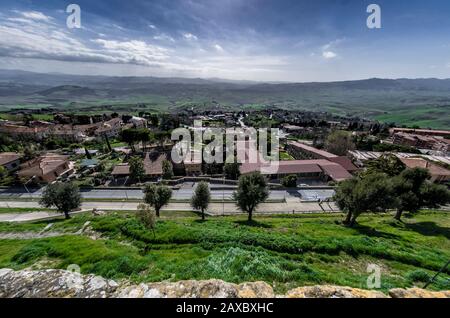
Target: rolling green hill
(421, 102)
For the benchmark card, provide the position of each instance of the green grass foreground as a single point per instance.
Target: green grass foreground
(285, 251)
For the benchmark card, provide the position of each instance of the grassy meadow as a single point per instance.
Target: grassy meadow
(285, 251)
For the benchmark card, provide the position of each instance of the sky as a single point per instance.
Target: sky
(259, 40)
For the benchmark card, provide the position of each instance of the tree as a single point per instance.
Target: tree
(339, 142)
(29, 153)
(231, 171)
(146, 216)
(372, 193)
(130, 136)
(434, 195)
(344, 197)
(388, 164)
(200, 199)
(290, 181)
(167, 170)
(3, 171)
(252, 190)
(137, 170)
(64, 196)
(407, 189)
(157, 196)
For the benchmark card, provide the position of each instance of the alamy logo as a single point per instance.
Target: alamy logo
(374, 279)
(374, 19)
(74, 19)
(219, 145)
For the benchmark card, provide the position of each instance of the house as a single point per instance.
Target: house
(18, 131)
(10, 160)
(138, 122)
(110, 128)
(438, 173)
(46, 168)
(153, 163)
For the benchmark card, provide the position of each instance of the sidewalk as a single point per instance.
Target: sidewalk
(215, 209)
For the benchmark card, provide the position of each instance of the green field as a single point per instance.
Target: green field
(285, 251)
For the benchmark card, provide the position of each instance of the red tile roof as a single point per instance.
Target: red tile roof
(320, 153)
(7, 157)
(334, 170)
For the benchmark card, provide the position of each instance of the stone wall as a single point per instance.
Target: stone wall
(53, 283)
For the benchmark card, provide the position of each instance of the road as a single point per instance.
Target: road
(182, 194)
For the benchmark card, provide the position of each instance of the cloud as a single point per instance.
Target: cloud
(39, 38)
(218, 48)
(34, 15)
(152, 26)
(190, 36)
(164, 37)
(329, 55)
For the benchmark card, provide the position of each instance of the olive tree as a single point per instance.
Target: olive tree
(372, 193)
(408, 190)
(200, 199)
(137, 170)
(64, 196)
(146, 216)
(252, 190)
(157, 196)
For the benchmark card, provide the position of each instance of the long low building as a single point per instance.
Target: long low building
(438, 173)
(317, 168)
(361, 157)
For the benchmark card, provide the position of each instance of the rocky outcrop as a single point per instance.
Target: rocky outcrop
(417, 293)
(53, 283)
(327, 291)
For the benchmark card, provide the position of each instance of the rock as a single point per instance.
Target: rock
(96, 212)
(328, 291)
(417, 293)
(255, 290)
(52, 283)
(212, 288)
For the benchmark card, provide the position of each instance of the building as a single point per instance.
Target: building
(319, 169)
(110, 128)
(302, 151)
(153, 163)
(438, 173)
(421, 141)
(360, 157)
(426, 132)
(46, 168)
(10, 160)
(138, 122)
(293, 129)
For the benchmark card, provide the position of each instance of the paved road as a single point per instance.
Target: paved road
(215, 209)
(184, 193)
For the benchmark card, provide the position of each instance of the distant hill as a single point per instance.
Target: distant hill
(67, 91)
(421, 102)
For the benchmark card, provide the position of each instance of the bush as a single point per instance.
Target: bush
(290, 181)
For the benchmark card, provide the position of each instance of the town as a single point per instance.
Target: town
(231, 149)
